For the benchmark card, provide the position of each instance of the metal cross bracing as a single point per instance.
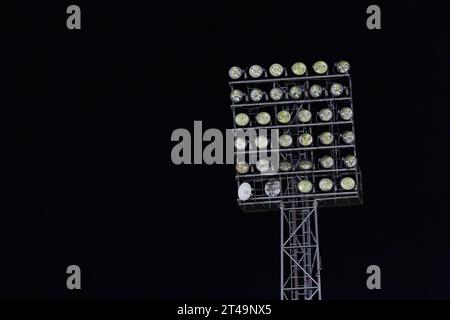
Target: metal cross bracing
(300, 255)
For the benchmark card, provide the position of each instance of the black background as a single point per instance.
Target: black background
(90, 181)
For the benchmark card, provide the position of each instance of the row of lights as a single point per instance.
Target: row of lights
(295, 92)
(273, 187)
(284, 116)
(297, 69)
(306, 139)
(325, 162)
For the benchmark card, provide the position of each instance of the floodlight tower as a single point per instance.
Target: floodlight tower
(312, 113)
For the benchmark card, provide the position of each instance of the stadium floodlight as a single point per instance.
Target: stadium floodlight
(336, 89)
(263, 118)
(348, 137)
(276, 94)
(348, 183)
(346, 113)
(242, 119)
(325, 114)
(326, 162)
(320, 67)
(272, 188)
(305, 139)
(304, 116)
(295, 92)
(326, 138)
(315, 91)
(255, 71)
(305, 165)
(305, 186)
(235, 72)
(256, 95)
(312, 163)
(343, 66)
(350, 161)
(245, 191)
(263, 165)
(240, 143)
(285, 141)
(298, 68)
(284, 116)
(325, 185)
(236, 95)
(276, 70)
(261, 142)
(242, 167)
(285, 165)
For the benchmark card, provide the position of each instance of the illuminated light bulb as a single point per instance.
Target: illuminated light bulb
(240, 143)
(263, 118)
(242, 119)
(347, 183)
(285, 165)
(256, 95)
(315, 91)
(305, 139)
(236, 95)
(255, 71)
(336, 89)
(261, 142)
(272, 188)
(325, 114)
(284, 116)
(304, 116)
(285, 140)
(263, 165)
(326, 138)
(276, 70)
(305, 186)
(295, 92)
(343, 66)
(276, 94)
(235, 73)
(242, 168)
(320, 67)
(298, 68)
(326, 162)
(346, 113)
(305, 165)
(348, 137)
(350, 161)
(325, 185)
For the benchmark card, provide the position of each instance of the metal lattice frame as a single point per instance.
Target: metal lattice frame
(300, 256)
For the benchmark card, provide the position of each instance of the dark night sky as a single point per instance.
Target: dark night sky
(90, 181)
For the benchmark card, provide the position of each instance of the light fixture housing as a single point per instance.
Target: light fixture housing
(348, 183)
(305, 186)
(255, 71)
(305, 165)
(285, 165)
(263, 118)
(285, 140)
(284, 116)
(325, 114)
(236, 95)
(276, 70)
(326, 162)
(276, 94)
(336, 89)
(299, 69)
(315, 91)
(242, 168)
(295, 92)
(326, 184)
(261, 142)
(348, 137)
(326, 138)
(305, 139)
(256, 95)
(235, 72)
(320, 67)
(263, 165)
(272, 188)
(346, 113)
(240, 143)
(343, 66)
(242, 119)
(304, 116)
(350, 161)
